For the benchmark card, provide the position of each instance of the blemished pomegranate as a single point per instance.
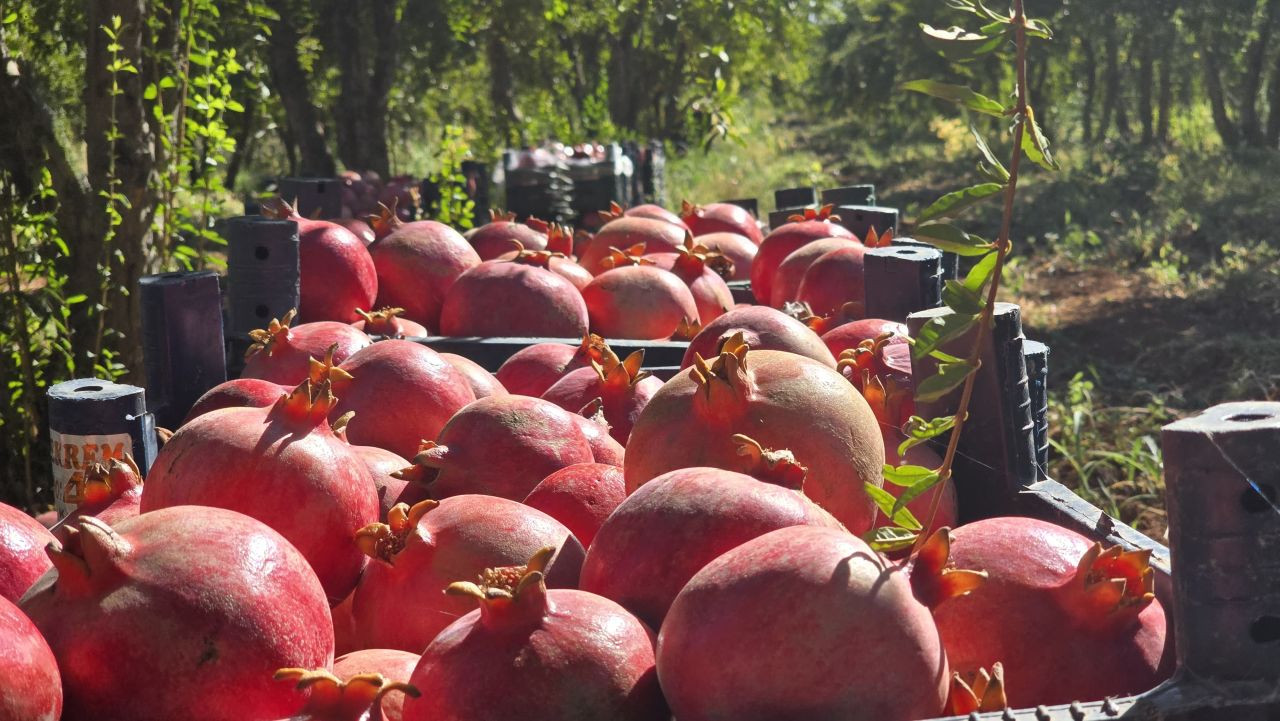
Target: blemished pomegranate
(580, 496)
(110, 490)
(387, 322)
(417, 264)
(509, 298)
(621, 385)
(401, 392)
(424, 548)
(499, 446)
(495, 238)
(786, 279)
(658, 236)
(330, 698)
(833, 280)
(32, 688)
(784, 240)
(238, 393)
(395, 666)
(282, 466)
(640, 302)
(802, 622)
(335, 271)
(283, 355)
(720, 218)
(680, 521)
(482, 382)
(773, 397)
(1069, 619)
(180, 613)
(537, 654)
(762, 328)
(591, 422)
(737, 248)
(22, 556)
(533, 369)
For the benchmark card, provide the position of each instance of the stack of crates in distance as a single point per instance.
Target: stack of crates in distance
(541, 190)
(599, 182)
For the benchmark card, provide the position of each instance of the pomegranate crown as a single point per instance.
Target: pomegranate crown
(878, 241)
(538, 224)
(778, 467)
(278, 208)
(617, 373)
(820, 324)
(326, 371)
(1114, 585)
(614, 212)
(726, 374)
(697, 256)
(267, 339)
(977, 691)
(384, 540)
(560, 239)
(689, 210)
(308, 403)
(103, 481)
(934, 577)
(824, 213)
(594, 347)
(331, 695)
(540, 258)
(633, 255)
(497, 215)
(90, 556)
(507, 583)
(381, 321)
(687, 328)
(387, 220)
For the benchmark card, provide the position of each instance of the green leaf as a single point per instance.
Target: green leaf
(947, 379)
(915, 491)
(945, 236)
(944, 357)
(1035, 145)
(996, 171)
(938, 331)
(956, 202)
(980, 273)
(77, 298)
(960, 299)
(1039, 29)
(906, 476)
(957, 43)
(958, 94)
(150, 92)
(888, 538)
(885, 501)
(920, 431)
(10, 18)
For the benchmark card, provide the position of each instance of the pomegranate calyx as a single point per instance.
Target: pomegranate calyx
(265, 340)
(934, 577)
(497, 215)
(327, 371)
(93, 551)
(537, 224)
(426, 464)
(614, 212)
(778, 467)
(689, 210)
(339, 427)
(387, 220)
(878, 241)
(103, 481)
(633, 255)
(384, 540)
(687, 328)
(621, 374)
(332, 697)
(308, 404)
(277, 208)
(824, 214)
(724, 379)
(977, 691)
(560, 240)
(595, 347)
(381, 321)
(1114, 586)
(594, 412)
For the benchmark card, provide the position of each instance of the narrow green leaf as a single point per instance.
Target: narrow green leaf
(906, 476)
(956, 202)
(1039, 29)
(885, 501)
(948, 378)
(957, 43)
(77, 298)
(958, 94)
(960, 299)
(938, 331)
(944, 357)
(1035, 145)
(977, 277)
(1001, 175)
(916, 491)
(945, 236)
(886, 539)
(921, 431)
(10, 18)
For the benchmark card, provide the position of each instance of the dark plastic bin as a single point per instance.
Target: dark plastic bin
(490, 353)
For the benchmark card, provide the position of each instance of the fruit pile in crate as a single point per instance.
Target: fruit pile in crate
(362, 527)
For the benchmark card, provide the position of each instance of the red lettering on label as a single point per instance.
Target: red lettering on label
(71, 455)
(116, 451)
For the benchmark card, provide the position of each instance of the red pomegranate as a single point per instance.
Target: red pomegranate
(358, 228)
(22, 557)
(802, 622)
(720, 218)
(386, 322)
(784, 240)
(833, 280)
(283, 355)
(680, 521)
(530, 653)
(704, 271)
(532, 370)
(417, 264)
(881, 369)
(649, 210)
(737, 248)
(282, 466)
(558, 263)
(658, 236)
(786, 279)
(344, 626)
(851, 335)
(500, 446)
(494, 238)
(238, 393)
(591, 422)
(622, 387)
(506, 298)
(180, 613)
(763, 328)
(392, 664)
(401, 393)
(357, 698)
(482, 382)
(580, 496)
(640, 302)
(33, 690)
(781, 400)
(418, 552)
(1068, 619)
(110, 490)
(384, 467)
(335, 272)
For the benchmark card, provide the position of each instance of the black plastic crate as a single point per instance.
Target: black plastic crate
(490, 353)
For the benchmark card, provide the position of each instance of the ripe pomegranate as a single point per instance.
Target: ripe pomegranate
(737, 248)
(358, 228)
(535, 654)
(282, 466)
(851, 335)
(180, 613)
(417, 264)
(420, 549)
(622, 386)
(656, 212)
(658, 236)
(22, 557)
(774, 397)
(704, 271)
(802, 622)
(501, 446)
(786, 279)
(833, 280)
(344, 626)
(110, 490)
(580, 496)
(281, 354)
(720, 218)
(33, 690)
(675, 524)
(238, 393)
(335, 271)
(482, 382)
(401, 392)
(557, 263)
(506, 298)
(494, 238)
(641, 302)
(784, 240)
(881, 369)
(1068, 619)
(532, 370)
(330, 698)
(591, 422)
(386, 322)
(762, 328)
(384, 467)
(392, 664)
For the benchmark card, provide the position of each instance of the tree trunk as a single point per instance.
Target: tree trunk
(289, 83)
(1217, 99)
(502, 89)
(1166, 91)
(1090, 89)
(1146, 73)
(1273, 94)
(1110, 83)
(363, 35)
(625, 71)
(1254, 60)
(1116, 76)
(244, 135)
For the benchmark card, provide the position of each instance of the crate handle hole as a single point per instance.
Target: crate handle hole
(1258, 500)
(262, 252)
(1265, 629)
(262, 311)
(1248, 417)
(88, 389)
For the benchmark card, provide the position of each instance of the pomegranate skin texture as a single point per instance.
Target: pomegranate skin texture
(640, 302)
(180, 613)
(32, 688)
(763, 328)
(336, 274)
(498, 236)
(850, 335)
(622, 387)
(594, 427)
(737, 248)
(417, 264)
(482, 382)
(720, 218)
(532, 370)
(834, 280)
(658, 236)
(283, 355)
(238, 393)
(783, 241)
(530, 653)
(786, 279)
(580, 496)
(22, 556)
(508, 298)
(802, 622)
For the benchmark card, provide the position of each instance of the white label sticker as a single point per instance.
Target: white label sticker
(72, 453)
